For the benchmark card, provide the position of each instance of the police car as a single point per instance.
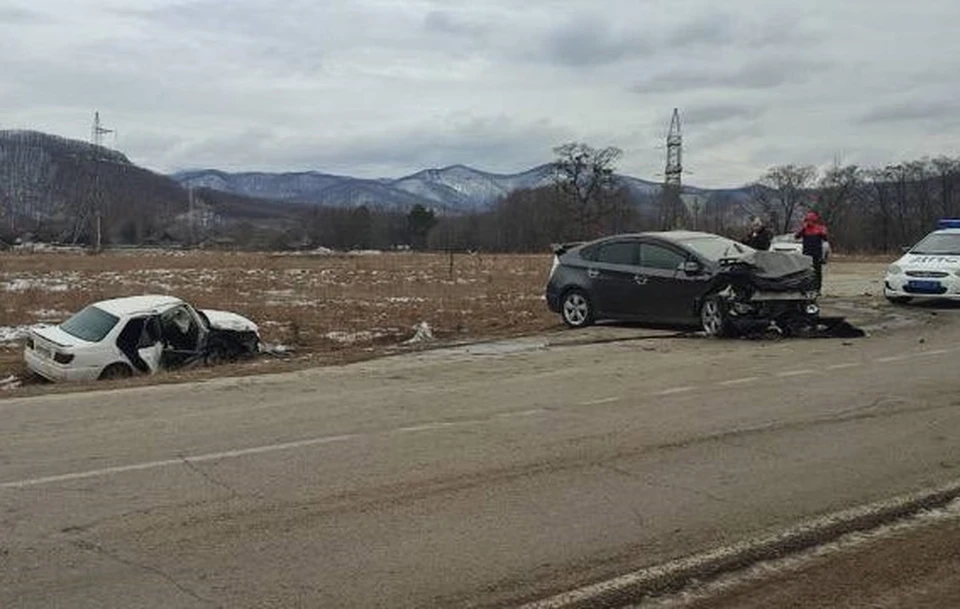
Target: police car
(930, 269)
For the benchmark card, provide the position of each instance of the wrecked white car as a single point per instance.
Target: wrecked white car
(137, 335)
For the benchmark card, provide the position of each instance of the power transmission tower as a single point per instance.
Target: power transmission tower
(96, 135)
(672, 211)
(98, 131)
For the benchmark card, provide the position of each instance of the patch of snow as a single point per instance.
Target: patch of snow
(23, 284)
(10, 334)
(277, 349)
(405, 299)
(422, 333)
(349, 338)
(11, 382)
(364, 252)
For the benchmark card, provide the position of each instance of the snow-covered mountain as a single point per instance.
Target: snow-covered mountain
(456, 188)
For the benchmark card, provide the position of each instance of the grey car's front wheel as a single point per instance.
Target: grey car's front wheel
(576, 309)
(714, 318)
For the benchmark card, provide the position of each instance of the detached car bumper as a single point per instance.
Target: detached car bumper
(52, 371)
(904, 286)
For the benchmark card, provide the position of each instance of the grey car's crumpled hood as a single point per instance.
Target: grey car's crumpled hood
(773, 265)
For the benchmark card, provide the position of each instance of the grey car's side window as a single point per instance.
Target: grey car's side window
(657, 257)
(618, 252)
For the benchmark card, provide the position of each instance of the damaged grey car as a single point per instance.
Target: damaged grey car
(683, 278)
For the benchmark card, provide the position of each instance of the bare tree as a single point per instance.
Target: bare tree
(781, 193)
(585, 178)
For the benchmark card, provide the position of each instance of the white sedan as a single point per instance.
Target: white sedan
(790, 243)
(930, 269)
(138, 334)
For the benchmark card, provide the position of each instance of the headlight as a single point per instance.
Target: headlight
(893, 269)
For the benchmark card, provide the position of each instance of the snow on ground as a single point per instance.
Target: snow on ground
(45, 284)
(12, 334)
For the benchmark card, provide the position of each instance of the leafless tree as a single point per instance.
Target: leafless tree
(584, 177)
(781, 194)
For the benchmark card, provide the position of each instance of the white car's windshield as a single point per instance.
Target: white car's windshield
(938, 244)
(717, 248)
(788, 238)
(90, 324)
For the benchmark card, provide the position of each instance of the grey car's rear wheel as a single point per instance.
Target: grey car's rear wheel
(576, 309)
(116, 371)
(714, 318)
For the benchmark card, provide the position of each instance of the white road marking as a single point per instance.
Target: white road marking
(934, 352)
(600, 401)
(893, 358)
(742, 381)
(844, 366)
(674, 391)
(229, 454)
(790, 373)
(522, 413)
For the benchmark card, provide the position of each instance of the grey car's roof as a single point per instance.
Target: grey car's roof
(669, 235)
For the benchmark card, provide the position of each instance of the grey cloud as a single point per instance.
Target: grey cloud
(765, 73)
(496, 144)
(702, 115)
(711, 28)
(912, 111)
(443, 22)
(13, 15)
(591, 41)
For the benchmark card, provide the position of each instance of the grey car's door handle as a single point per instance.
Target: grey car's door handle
(640, 279)
(593, 273)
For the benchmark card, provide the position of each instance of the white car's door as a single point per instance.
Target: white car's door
(150, 346)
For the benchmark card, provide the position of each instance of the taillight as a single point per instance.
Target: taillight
(62, 358)
(29, 342)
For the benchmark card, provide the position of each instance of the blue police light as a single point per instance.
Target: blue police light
(943, 223)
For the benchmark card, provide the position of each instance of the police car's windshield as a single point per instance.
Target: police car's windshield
(938, 244)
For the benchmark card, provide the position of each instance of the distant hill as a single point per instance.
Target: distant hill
(457, 188)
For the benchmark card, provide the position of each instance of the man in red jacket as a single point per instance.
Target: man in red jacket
(814, 234)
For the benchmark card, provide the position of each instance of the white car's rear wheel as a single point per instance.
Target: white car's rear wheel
(116, 371)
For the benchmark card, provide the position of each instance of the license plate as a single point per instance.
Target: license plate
(924, 286)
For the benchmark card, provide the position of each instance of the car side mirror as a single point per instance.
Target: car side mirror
(691, 267)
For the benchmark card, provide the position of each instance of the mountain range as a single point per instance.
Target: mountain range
(452, 189)
(59, 187)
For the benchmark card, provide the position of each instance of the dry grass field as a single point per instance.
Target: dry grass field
(323, 307)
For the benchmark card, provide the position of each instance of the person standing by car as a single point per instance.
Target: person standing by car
(813, 233)
(760, 235)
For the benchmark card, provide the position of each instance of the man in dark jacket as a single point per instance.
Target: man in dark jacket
(814, 234)
(760, 236)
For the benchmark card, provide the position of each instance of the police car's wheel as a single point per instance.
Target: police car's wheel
(899, 299)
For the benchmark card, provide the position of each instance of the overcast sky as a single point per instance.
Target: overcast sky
(382, 88)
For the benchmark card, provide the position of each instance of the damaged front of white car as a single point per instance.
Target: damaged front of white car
(139, 334)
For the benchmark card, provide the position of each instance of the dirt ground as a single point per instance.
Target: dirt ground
(322, 309)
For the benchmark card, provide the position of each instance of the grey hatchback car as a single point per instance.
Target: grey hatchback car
(682, 278)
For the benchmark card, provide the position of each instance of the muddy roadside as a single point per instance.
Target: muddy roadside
(852, 290)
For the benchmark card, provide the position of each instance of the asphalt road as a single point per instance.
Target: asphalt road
(475, 477)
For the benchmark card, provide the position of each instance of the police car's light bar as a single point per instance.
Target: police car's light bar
(948, 223)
